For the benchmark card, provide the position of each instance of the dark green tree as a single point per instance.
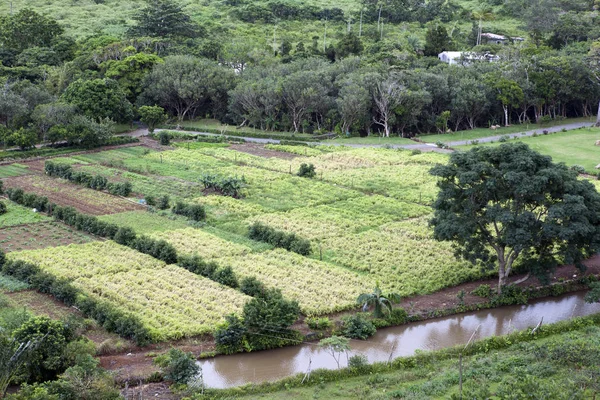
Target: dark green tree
(152, 116)
(268, 313)
(27, 29)
(163, 18)
(350, 44)
(99, 98)
(436, 41)
(500, 205)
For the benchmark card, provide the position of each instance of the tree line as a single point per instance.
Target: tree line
(58, 90)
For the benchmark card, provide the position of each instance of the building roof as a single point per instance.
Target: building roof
(493, 36)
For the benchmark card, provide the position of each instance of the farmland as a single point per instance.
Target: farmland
(365, 214)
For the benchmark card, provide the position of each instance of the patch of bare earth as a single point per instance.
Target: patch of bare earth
(259, 150)
(63, 193)
(39, 236)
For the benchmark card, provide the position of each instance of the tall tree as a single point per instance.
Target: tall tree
(386, 98)
(509, 93)
(163, 18)
(509, 203)
(99, 98)
(436, 41)
(27, 29)
(184, 85)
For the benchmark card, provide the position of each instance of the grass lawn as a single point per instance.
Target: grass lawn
(201, 124)
(485, 132)
(372, 140)
(573, 147)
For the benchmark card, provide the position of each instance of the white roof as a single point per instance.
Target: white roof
(452, 54)
(493, 36)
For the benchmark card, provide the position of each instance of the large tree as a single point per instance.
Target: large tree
(163, 18)
(99, 98)
(185, 85)
(504, 204)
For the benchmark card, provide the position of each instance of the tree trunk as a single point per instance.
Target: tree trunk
(598, 117)
(505, 115)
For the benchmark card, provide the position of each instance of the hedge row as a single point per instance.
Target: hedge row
(288, 241)
(97, 182)
(112, 319)
(159, 249)
(194, 212)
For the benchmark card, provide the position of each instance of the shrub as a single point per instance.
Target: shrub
(15, 195)
(357, 327)
(307, 171)
(177, 366)
(194, 212)
(125, 236)
(503, 138)
(288, 241)
(483, 291)
(415, 152)
(150, 200)
(230, 186)
(225, 276)
(577, 168)
(164, 138)
(358, 362)
(319, 324)
(120, 189)
(163, 202)
(397, 316)
(251, 286)
(2, 207)
(229, 337)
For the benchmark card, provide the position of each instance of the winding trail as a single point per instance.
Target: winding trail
(417, 146)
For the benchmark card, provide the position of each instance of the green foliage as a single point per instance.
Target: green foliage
(437, 41)
(307, 171)
(484, 291)
(358, 362)
(164, 138)
(195, 212)
(229, 337)
(163, 18)
(269, 313)
(163, 202)
(2, 208)
(225, 276)
(379, 301)
(319, 323)
(357, 327)
(251, 286)
(229, 186)
(512, 188)
(99, 98)
(288, 241)
(178, 366)
(152, 116)
(594, 294)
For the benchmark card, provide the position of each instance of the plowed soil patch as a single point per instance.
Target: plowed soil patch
(63, 193)
(40, 236)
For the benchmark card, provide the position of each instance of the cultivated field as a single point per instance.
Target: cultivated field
(365, 214)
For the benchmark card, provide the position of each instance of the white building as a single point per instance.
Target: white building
(465, 57)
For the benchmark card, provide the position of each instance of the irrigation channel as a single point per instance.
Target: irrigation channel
(388, 343)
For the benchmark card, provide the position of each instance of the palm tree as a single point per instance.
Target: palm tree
(482, 15)
(379, 301)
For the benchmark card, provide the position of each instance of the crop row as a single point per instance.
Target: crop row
(170, 301)
(342, 218)
(403, 257)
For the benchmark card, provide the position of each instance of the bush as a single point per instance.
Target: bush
(194, 212)
(358, 362)
(230, 186)
(177, 366)
(163, 202)
(225, 276)
(164, 138)
(357, 327)
(397, 316)
(483, 291)
(251, 286)
(288, 241)
(120, 189)
(2, 208)
(319, 324)
(577, 168)
(229, 337)
(125, 236)
(150, 200)
(307, 171)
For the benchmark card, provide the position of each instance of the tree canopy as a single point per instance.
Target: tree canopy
(508, 204)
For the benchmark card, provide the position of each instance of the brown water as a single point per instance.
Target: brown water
(240, 369)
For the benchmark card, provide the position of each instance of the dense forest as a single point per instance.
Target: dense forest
(358, 68)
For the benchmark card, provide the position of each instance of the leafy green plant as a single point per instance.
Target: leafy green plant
(378, 301)
(319, 323)
(307, 171)
(358, 327)
(178, 366)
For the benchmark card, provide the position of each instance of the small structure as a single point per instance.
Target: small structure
(465, 57)
(492, 38)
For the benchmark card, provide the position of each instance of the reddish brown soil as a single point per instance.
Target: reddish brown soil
(259, 150)
(85, 200)
(39, 236)
(158, 391)
(138, 364)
